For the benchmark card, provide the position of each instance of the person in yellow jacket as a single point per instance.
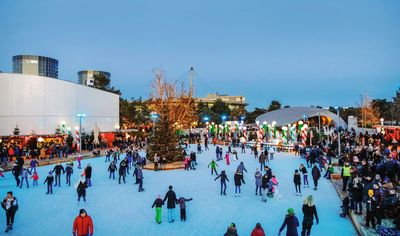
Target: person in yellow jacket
(346, 174)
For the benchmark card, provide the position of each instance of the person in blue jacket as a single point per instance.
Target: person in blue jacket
(291, 223)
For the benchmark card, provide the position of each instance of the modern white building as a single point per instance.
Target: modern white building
(40, 105)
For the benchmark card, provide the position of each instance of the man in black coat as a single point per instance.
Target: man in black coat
(88, 175)
(171, 202)
(57, 170)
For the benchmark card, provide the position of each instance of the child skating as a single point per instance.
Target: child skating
(182, 206)
(35, 178)
(213, 164)
(158, 203)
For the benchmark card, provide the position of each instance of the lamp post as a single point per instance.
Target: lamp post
(153, 116)
(80, 115)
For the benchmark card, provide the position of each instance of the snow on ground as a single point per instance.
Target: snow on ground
(122, 210)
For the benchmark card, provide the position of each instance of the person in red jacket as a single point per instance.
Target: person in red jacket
(83, 225)
(258, 231)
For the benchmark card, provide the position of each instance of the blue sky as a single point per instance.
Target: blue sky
(298, 52)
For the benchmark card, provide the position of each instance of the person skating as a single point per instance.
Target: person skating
(231, 231)
(83, 224)
(79, 159)
(258, 179)
(261, 160)
(238, 177)
(291, 222)
(224, 178)
(69, 170)
(10, 205)
(213, 165)
(158, 203)
(34, 163)
(16, 171)
(139, 176)
(241, 168)
(272, 183)
(24, 176)
(227, 158)
(309, 211)
(303, 170)
(297, 182)
(122, 171)
(49, 180)
(57, 170)
(88, 175)
(35, 178)
(182, 205)
(81, 190)
(264, 184)
(112, 168)
(170, 196)
(316, 174)
(258, 231)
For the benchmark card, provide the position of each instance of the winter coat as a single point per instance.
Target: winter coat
(157, 203)
(34, 163)
(241, 168)
(258, 232)
(35, 176)
(49, 180)
(292, 223)
(213, 164)
(304, 170)
(265, 181)
(16, 171)
(58, 168)
(171, 199)
(81, 189)
(356, 191)
(83, 226)
(258, 177)
(223, 177)
(69, 170)
(25, 172)
(10, 204)
(297, 179)
(112, 167)
(88, 172)
(238, 179)
(309, 213)
(261, 158)
(138, 173)
(182, 201)
(231, 231)
(316, 174)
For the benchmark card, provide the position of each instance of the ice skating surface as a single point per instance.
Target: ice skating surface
(122, 210)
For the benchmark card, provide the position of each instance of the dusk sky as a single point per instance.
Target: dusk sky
(298, 52)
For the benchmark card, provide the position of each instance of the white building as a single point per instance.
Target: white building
(41, 104)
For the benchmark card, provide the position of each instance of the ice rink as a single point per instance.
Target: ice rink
(122, 210)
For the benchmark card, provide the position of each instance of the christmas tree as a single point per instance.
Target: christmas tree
(165, 141)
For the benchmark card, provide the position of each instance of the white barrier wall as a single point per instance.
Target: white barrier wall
(40, 104)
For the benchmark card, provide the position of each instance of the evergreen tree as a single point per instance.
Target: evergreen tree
(165, 141)
(396, 106)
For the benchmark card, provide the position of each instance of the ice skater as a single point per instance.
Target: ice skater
(214, 166)
(24, 176)
(316, 174)
(238, 177)
(227, 158)
(49, 180)
(158, 203)
(291, 222)
(297, 182)
(309, 211)
(10, 205)
(112, 168)
(35, 178)
(81, 190)
(139, 175)
(170, 197)
(88, 175)
(303, 170)
(57, 170)
(79, 159)
(34, 163)
(83, 224)
(224, 178)
(69, 170)
(16, 171)
(121, 172)
(182, 206)
(258, 179)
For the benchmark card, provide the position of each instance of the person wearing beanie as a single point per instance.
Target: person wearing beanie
(49, 180)
(258, 231)
(158, 203)
(371, 210)
(81, 190)
(10, 205)
(231, 231)
(291, 222)
(83, 224)
(224, 178)
(170, 196)
(182, 206)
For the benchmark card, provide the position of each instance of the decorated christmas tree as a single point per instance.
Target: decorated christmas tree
(165, 141)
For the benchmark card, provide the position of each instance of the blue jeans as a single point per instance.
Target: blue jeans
(237, 189)
(171, 214)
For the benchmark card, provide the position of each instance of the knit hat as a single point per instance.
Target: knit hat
(82, 211)
(290, 211)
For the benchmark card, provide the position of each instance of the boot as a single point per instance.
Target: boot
(7, 229)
